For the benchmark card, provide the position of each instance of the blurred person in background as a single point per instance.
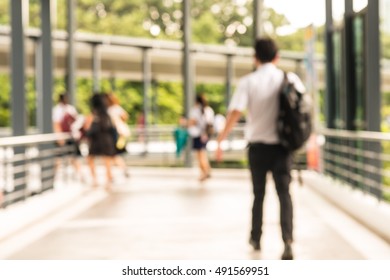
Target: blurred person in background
(181, 135)
(64, 117)
(119, 117)
(100, 132)
(201, 117)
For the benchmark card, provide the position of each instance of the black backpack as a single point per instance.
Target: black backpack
(294, 118)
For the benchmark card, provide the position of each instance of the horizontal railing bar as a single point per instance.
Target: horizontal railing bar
(357, 152)
(15, 195)
(355, 135)
(19, 181)
(32, 139)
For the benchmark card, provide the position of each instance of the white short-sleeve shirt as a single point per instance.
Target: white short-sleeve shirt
(257, 93)
(61, 109)
(201, 120)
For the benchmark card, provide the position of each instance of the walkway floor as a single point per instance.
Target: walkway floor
(161, 213)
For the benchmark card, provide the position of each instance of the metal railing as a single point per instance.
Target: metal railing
(156, 145)
(28, 165)
(360, 159)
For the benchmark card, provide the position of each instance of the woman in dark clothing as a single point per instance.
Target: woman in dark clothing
(101, 136)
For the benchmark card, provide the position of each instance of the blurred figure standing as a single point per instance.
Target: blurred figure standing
(119, 117)
(200, 119)
(180, 134)
(64, 116)
(101, 133)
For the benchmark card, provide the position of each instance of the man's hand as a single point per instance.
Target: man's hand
(231, 120)
(218, 153)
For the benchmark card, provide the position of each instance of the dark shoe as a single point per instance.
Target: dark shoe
(255, 244)
(288, 253)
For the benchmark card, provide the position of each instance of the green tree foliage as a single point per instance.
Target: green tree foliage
(4, 12)
(4, 101)
(385, 38)
(213, 22)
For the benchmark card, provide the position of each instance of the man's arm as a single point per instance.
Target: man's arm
(231, 119)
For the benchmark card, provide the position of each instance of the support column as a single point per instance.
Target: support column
(18, 66)
(38, 81)
(95, 68)
(45, 103)
(373, 97)
(350, 89)
(45, 95)
(258, 7)
(188, 90)
(71, 59)
(229, 79)
(18, 93)
(373, 92)
(147, 80)
(330, 94)
(330, 100)
(154, 106)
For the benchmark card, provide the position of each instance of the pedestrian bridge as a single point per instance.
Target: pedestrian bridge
(166, 213)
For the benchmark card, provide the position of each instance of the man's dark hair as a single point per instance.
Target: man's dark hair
(265, 50)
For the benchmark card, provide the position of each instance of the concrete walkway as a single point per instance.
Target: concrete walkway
(162, 213)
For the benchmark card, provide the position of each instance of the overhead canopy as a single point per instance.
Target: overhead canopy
(121, 57)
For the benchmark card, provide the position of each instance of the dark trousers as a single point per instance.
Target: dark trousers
(264, 158)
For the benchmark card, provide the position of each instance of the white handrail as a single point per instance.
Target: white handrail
(32, 139)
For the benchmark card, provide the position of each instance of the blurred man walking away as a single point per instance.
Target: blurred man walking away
(258, 94)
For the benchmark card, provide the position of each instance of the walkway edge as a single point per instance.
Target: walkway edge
(364, 208)
(25, 214)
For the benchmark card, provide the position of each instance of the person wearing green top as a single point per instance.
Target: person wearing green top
(181, 135)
